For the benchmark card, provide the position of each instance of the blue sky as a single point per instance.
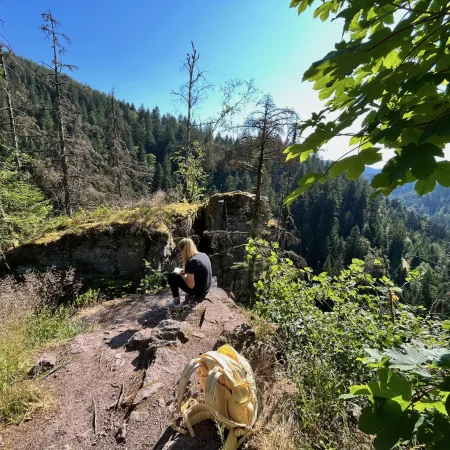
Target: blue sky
(138, 46)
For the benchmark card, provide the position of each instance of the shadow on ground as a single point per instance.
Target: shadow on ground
(206, 438)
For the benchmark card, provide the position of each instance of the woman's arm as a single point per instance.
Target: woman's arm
(189, 279)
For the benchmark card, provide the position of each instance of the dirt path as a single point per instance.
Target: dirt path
(100, 371)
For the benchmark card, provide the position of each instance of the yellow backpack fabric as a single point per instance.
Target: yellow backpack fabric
(230, 394)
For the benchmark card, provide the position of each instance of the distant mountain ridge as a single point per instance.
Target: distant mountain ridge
(435, 205)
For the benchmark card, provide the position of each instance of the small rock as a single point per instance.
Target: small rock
(118, 355)
(140, 339)
(198, 334)
(161, 403)
(171, 330)
(146, 392)
(139, 416)
(44, 363)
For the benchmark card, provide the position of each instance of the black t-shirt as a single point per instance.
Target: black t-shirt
(200, 266)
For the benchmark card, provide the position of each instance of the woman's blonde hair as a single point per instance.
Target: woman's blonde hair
(187, 249)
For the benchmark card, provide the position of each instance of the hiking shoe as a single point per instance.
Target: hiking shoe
(175, 306)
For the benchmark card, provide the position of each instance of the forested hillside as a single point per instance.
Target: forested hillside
(339, 221)
(434, 205)
(148, 139)
(329, 260)
(329, 226)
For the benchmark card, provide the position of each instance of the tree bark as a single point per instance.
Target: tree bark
(285, 209)
(257, 204)
(12, 122)
(60, 125)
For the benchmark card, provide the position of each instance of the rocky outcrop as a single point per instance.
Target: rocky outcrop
(117, 250)
(228, 225)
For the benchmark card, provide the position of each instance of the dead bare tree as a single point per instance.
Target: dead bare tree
(190, 95)
(259, 144)
(286, 188)
(9, 107)
(51, 31)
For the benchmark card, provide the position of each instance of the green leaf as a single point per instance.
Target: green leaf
(378, 416)
(447, 405)
(353, 165)
(371, 156)
(425, 404)
(423, 187)
(440, 127)
(305, 155)
(360, 390)
(407, 358)
(444, 361)
(443, 173)
(304, 184)
(391, 385)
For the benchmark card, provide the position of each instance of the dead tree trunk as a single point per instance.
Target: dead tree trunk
(60, 124)
(285, 210)
(115, 144)
(11, 118)
(190, 95)
(50, 28)
(257, 204)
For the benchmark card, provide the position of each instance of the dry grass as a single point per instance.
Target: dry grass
(152, 212)
(288, 415)
(29, 322)
(277, 425)
(20, 401)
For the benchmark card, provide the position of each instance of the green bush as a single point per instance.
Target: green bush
(154, 280)
(410, 400)
(90, 297)
(322, 348)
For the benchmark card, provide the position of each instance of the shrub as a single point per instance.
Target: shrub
(89, 297)
(154, 280)
(322, 348)
(410, 400)
(29, 322)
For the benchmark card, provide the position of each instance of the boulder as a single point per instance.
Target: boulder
(228, 226)
(146, 391)
(140, 339)
(170, 330)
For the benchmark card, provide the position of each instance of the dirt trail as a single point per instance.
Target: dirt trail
(100, 367)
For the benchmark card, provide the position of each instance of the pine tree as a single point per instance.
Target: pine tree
(117, 151)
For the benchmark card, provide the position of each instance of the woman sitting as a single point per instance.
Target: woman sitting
(195, 278)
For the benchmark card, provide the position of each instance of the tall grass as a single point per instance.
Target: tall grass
(30, 321)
